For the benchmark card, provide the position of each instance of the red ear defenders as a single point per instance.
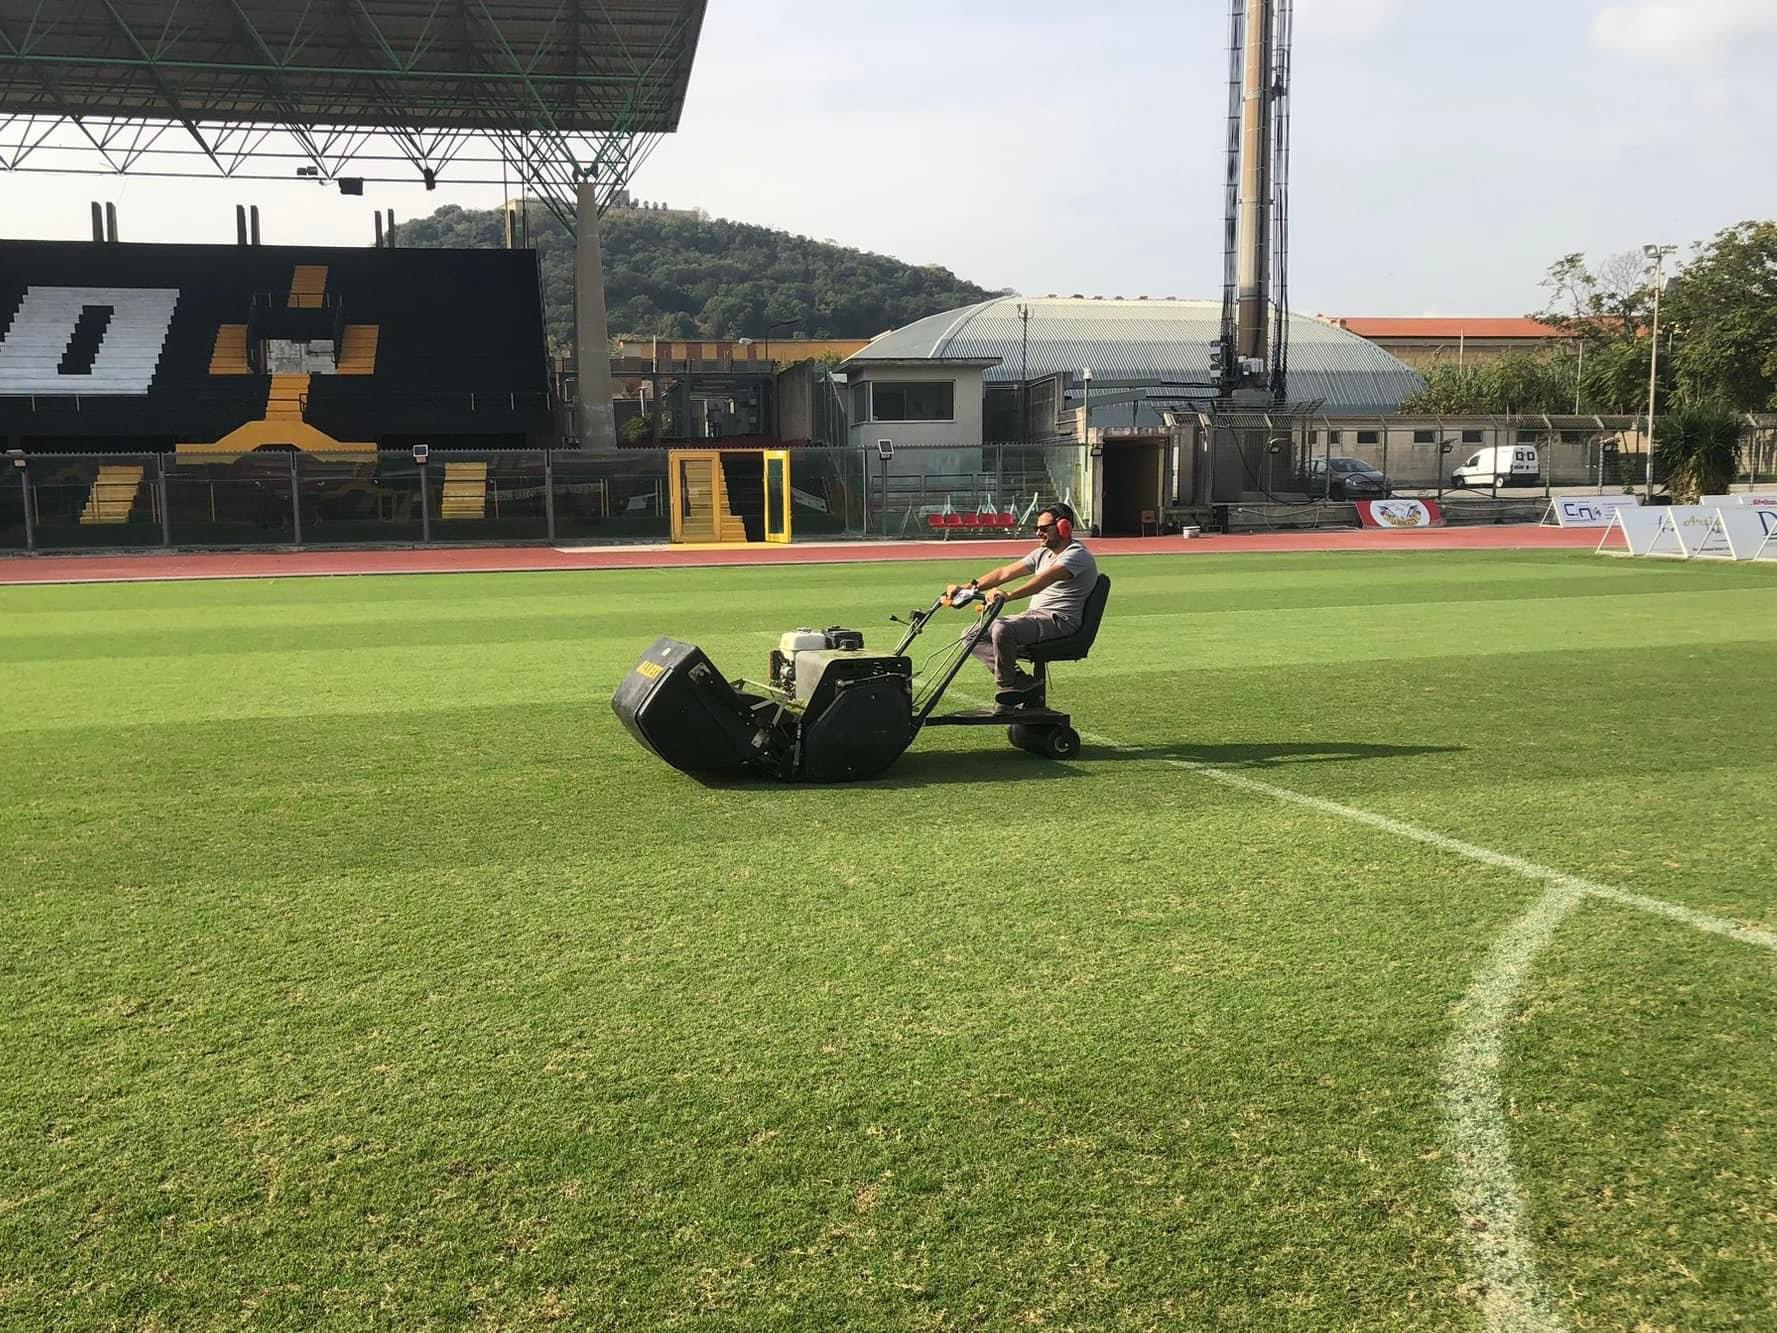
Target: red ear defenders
(1064, 521)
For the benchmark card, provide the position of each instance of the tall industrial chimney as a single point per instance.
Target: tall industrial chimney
(1253, 312)
(1252, 351)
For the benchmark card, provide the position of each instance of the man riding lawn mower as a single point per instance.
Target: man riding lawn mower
(832, 711)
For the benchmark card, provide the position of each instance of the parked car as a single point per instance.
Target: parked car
(1499, 465)
(1346, 479)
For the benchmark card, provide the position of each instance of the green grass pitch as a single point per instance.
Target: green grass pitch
(359, 971)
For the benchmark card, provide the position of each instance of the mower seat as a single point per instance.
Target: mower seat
(1074, 647)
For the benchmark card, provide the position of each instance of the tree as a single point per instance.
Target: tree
(1607, 310)
(1723, 306)
(1698, 448)
(687, 276)
(1518, 383)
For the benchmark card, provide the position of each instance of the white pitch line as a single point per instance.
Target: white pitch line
(1489, 1202)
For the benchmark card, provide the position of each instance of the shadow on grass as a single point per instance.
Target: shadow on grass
(1261, 754)
(917, 768)
(932, 768)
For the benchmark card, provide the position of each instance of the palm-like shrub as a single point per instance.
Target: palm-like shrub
(1698, 449)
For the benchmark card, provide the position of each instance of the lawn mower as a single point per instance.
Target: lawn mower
(830, 710)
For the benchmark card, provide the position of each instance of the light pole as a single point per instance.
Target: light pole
(1657, 254)
(769, 330)
(1086, 405)
(20, 463)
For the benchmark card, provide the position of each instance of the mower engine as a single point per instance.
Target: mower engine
(781, 666)
(829, 712)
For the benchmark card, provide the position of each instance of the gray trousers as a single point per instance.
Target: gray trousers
(998, 652)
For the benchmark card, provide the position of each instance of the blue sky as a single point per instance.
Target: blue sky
(1445, 153)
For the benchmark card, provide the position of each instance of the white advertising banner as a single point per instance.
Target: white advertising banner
(1587, 511)
(1742, 532)
(1687, 531)
(1763, 501)
(1634, 530)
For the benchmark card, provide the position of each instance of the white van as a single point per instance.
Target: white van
(1499, 465)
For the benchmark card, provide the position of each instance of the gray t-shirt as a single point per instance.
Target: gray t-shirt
(1065, 599)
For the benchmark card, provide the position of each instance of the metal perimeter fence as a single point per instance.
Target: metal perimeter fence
(51, 502)
(67, 502)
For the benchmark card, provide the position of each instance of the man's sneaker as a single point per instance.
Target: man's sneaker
(1030, 696)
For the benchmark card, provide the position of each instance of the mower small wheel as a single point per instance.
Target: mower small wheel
(1062, 743)
(1026, 738)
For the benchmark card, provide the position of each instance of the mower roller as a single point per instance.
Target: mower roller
(830, 710)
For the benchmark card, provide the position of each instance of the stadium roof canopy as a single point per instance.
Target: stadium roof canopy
(1160, 342)
(552, 91)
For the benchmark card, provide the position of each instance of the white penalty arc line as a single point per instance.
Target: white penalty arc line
(1489, 1203)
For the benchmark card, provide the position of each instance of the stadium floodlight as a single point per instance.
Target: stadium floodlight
(1656, 255)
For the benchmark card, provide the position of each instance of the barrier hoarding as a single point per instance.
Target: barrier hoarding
(1744, 531)
(1399, 514)
(1586, 511)
(1635, 527)
(1687, 531)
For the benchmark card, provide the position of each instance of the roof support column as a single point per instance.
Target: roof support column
(592, 337)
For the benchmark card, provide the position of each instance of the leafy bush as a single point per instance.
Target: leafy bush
(1697, 447)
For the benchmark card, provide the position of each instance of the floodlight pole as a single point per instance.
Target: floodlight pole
(1658, 254)
(20, 465)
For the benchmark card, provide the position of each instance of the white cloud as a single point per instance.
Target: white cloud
(1341, 18)
(1683, 28)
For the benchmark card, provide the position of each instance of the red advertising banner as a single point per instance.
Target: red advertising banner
(1400, 514)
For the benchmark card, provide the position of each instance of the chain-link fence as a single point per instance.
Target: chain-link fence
(269, 497)
(286, 497)
(283, 497)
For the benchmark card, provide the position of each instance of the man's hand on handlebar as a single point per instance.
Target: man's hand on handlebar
(961, 594)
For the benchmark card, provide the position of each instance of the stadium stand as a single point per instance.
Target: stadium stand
(213, 351)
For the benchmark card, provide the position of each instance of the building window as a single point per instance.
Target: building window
(1314, 437)
(1369, 437)
(1530, 437)
(1471, 437)
(935, 401)
(1335, 437)
(1425, 437)
(860, 404)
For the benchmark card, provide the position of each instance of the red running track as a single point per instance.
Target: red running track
(157, 566)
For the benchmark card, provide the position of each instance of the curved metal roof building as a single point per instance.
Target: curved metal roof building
(1164, 341)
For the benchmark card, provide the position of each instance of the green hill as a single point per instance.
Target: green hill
(676, 275)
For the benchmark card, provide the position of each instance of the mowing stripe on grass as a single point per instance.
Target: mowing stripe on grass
(1488, 1200)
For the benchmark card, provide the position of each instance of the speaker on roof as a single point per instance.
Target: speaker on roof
(111, 223)
(98, 222)
(240, 224)
(351, 184)
(253, 224)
